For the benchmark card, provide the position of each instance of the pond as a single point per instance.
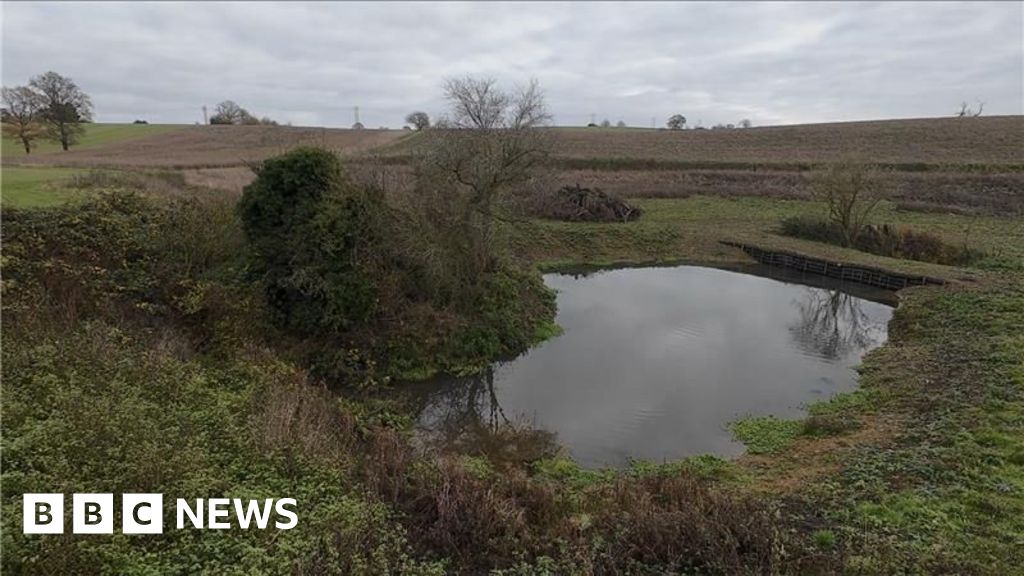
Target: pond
(654, 363)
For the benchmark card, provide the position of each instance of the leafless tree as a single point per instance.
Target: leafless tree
(418, 120)
(851, 190)
(745, 123)
(64, 108)
(228, 112)
(605, 123)
(489, 143)
(676, 122)
(22, 115)
(833, 324)
(620, 124)
(968, 112)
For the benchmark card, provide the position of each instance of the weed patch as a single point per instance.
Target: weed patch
(884, 240)
(765, 434)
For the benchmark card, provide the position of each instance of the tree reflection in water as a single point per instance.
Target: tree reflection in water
(464, 416)
(833, 325)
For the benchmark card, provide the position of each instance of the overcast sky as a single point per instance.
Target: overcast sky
(310, 64)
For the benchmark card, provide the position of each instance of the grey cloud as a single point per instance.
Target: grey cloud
(716, 62)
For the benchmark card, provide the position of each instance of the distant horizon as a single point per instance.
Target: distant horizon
(612, 127)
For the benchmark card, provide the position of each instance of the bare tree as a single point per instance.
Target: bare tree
(605, 123)
(676, 122)
(418, 120)
(21, 115)
(745, 123)
(851, 191)
(968, 112)
(490, 142)
(833, 324)
(64, 108)
(228, 112)
(620, 124)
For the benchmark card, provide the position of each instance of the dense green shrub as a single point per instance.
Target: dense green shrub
(372, 290)
(314, 235)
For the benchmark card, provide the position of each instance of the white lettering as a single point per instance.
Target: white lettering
(253, 510)
(218, 508)
(282, 511)
(185, 510)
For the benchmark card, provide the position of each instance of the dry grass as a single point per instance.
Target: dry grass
(299, 417)
(939, 192)
(958, 192)
(232, 179)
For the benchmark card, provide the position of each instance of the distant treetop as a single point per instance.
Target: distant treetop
(228, 112)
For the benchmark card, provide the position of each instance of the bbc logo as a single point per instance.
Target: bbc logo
(93, 513)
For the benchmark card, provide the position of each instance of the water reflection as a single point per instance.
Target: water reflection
(653, 363)
(464, 415)
(834, 325)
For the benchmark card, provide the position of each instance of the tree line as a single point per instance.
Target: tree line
(54, 107)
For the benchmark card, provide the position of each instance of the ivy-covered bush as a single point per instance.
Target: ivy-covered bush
(314, 235)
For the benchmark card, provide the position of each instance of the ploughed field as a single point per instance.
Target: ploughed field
(992, 144)
(965, 166)
(203, 146)
(992, 140)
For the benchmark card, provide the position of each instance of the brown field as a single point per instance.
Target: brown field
(992, 140)
(973, 166)
(213, 146)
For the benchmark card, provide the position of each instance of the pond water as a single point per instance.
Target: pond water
(654, 363)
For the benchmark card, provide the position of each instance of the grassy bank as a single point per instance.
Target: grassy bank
(138, 357)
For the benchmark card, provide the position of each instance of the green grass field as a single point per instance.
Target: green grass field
(35, 187)
(95, 135)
